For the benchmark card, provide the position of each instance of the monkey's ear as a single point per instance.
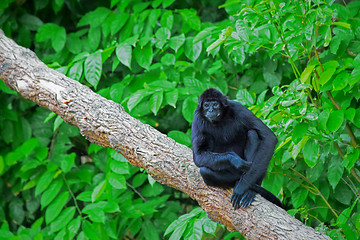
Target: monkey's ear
(225, 103)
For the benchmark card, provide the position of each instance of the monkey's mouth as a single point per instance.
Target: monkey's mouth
(213, 116)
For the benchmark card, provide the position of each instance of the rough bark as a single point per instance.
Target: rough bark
(105, 123)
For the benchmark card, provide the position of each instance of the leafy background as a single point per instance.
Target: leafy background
(295, 64)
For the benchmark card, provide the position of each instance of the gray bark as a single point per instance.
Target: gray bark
(105, 123)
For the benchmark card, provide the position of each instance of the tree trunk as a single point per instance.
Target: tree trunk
(105, 123)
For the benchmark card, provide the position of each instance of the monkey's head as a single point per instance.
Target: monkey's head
(212, 104)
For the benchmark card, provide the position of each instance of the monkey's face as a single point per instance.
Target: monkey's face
(212, 110)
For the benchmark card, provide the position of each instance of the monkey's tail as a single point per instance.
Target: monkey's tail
(267, 195)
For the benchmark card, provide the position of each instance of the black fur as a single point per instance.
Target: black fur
(233, 151)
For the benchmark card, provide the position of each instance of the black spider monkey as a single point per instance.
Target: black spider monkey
(232, 147)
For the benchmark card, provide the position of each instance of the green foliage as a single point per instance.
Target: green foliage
(195, 225)
(295, 64)
(317, 160)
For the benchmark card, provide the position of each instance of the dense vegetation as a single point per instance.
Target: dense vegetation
(295, 64)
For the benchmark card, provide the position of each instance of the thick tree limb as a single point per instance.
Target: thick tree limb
(105, 123)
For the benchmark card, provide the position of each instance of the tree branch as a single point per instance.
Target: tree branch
(105, 123)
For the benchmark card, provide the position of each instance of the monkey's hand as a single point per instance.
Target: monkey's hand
(239, 163)
(242, 195)
(228, 160)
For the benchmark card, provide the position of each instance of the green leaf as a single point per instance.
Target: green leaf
(58, 38)
(28, 146)
(148, 229)
(203, 34)
(222, 38)
(74, 226)
(343, 194)
(162, 34)
(25, 37)
(335, 44)
(94, 18)
(117, 156)
(323, 118)
(171, 97)
(192, 51)
(117, 181)
(54, 209)
(152, 20)
(311, 152)
(299, 196)
(50, 193)
(76, 71)
(161, 85)
(16, 210)
(171, 227)
(58, 121)
(208, 225)
(188, 109)
(350, 114)
(124, 54)
(335, 172)
(64, 218)
(168, 59)
(351, 158)
(190, 17)
(180, 137)
(68, 162)
(117, 22)
(340, 81)
(245, 98)
(342, 24)
(56, 33)
(261, 98)
(44, 32)
(25, 130)
(119, 167)
(155, 101)
(6, 89)
(138, 180)
(94, 37)
(93, 68)
(178, 231)
(90, 230)
(33, 23)
(356, 120)
(12, 157)
(242, 30)
(2, 165)
(44, 181)
(272, 78)
(136, 98)
(297, 148)
(305, 75)
(57, 5)
(98, 191)
(139, 7)
(355, 76)
(167, 19)
(166, 3)
(176, 42)
(144, 55)
(96, 215)
(196, 86)
(330, 68)
(335, 120)
(328, 36)
(116, 91)
(299, 132)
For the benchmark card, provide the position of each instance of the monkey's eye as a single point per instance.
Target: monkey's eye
(206, 105)
(216, 105)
